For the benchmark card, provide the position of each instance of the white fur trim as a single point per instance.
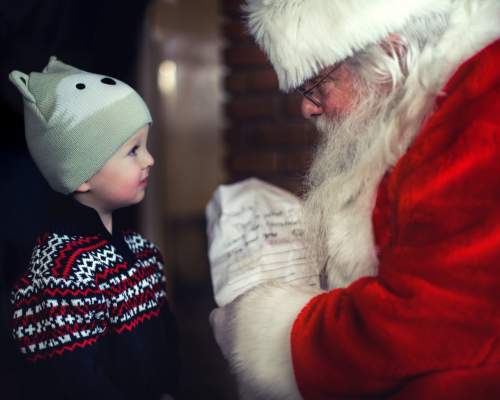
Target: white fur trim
(301, 37)
(261, 330)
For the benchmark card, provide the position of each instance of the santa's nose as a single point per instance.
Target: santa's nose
(309, 109)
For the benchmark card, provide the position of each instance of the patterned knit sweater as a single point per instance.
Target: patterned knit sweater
(91, 313)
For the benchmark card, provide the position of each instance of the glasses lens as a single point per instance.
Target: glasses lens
(310, 88)
(310, 94)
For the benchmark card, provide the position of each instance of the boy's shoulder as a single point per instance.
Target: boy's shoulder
(59, 250)
(77, 262)
(60, 259)
(138, 243)
(60, 265)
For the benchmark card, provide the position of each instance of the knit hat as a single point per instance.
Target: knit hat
(76, 120)
(301, 37)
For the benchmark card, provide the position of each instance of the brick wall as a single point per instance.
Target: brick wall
(265, 134)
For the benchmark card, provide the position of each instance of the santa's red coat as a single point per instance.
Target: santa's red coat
(428, 325)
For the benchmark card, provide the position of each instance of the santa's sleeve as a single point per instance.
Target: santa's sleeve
(60, 327)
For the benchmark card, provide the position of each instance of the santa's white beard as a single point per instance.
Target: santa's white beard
(341, 185)
(344, 140)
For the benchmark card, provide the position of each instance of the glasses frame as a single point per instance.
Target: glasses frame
(316, 83)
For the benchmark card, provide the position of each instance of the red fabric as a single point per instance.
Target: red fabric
(427, 326)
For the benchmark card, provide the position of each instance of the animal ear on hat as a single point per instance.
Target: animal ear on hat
(20, 80)
(56, 65)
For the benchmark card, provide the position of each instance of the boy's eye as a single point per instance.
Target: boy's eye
(133, 151)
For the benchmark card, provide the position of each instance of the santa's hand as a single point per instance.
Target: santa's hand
(223, 332)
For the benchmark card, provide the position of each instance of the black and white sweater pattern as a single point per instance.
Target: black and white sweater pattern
(79, 288)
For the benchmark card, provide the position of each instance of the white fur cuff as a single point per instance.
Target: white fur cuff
(261, 350)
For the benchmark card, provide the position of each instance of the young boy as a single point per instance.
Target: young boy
(91, 314)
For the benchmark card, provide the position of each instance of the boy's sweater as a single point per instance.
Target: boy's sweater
(91, 314)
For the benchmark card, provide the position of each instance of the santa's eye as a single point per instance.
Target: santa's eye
(80, 86)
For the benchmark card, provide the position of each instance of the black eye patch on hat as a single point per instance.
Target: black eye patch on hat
(108, 81)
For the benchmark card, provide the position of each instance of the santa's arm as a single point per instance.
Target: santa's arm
(365, 340)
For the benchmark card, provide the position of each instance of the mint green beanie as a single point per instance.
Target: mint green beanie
(75, 121)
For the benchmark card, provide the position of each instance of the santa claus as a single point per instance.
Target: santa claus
(403, 206)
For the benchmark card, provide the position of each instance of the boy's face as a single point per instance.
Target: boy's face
(122, 180)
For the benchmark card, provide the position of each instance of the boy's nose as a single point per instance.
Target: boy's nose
(309, 109)
(149, 161)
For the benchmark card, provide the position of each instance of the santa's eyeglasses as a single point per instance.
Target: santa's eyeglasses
(311, 89)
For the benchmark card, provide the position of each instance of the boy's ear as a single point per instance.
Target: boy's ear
(83, 188)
